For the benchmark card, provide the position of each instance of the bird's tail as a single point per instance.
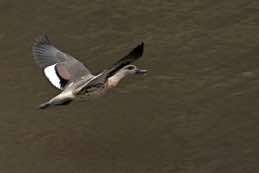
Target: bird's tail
(55, 103)
(44, 105)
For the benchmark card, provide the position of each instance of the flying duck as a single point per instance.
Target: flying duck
(73, 78)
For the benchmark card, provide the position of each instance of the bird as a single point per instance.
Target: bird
(73, 78)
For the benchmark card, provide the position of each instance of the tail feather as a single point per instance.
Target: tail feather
(44, 105)
(49, 103)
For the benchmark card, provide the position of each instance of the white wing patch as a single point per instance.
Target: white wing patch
(52, 76)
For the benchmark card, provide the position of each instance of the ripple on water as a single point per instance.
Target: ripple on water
(248, 74)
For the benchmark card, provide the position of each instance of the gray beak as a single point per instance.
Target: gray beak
(141, 71)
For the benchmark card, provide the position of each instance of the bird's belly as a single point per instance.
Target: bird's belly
(95, 92)
(100, 91)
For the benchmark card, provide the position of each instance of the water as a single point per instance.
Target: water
(196, 110)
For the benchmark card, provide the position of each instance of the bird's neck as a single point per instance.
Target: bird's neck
(115, 79)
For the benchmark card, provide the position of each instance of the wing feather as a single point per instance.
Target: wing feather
(100, 79)
(135, 54)
(67, 68)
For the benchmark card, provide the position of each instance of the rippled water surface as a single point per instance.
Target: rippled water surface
(196, 111)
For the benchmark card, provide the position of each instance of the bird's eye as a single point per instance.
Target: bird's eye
(130, 67)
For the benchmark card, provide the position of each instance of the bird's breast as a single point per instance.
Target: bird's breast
(111, 82)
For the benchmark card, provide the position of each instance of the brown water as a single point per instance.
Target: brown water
(195, 112)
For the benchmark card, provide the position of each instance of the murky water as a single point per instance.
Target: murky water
(196, 111)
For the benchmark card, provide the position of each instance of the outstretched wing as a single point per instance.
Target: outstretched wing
(135, 54)
(100, 79)
(59, 67)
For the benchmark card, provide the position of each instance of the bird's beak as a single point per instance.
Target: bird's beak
(141, 71)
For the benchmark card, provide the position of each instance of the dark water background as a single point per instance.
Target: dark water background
(195, 112)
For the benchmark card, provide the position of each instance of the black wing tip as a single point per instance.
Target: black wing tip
(139, 49)
(43, 39)
(141, 46)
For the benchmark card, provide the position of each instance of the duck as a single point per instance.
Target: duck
(73, 78)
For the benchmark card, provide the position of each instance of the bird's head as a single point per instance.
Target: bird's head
(132, 69)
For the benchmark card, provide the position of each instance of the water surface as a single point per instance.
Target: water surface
(196, 110)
